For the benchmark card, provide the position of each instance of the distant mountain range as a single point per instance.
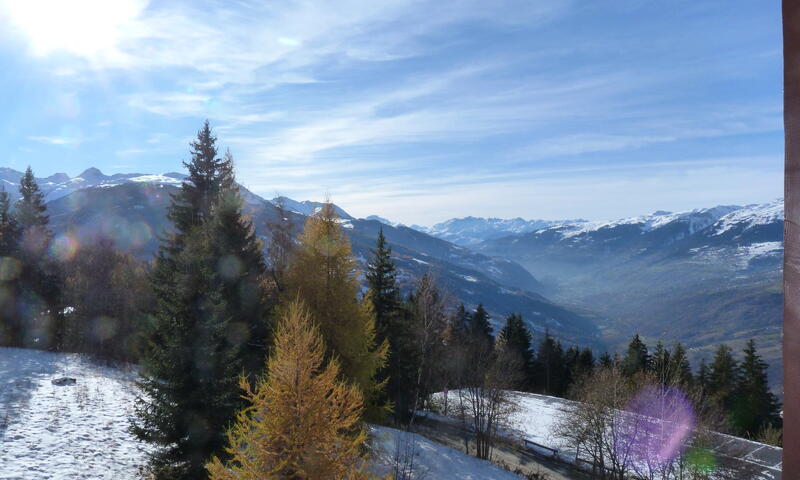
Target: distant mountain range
(130, 208)
(701, 277)
(469, 231)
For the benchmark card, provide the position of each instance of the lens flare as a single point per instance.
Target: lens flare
(701, 460)
(9, 268)
(657, 424)
(230, 267)
(64, 247)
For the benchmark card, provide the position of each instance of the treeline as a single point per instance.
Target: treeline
(262, 365)
(57, 294)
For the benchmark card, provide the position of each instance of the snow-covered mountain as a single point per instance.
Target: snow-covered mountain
(306, 207)
(471, 231)
(60, 184)
(703, 277)
(130, 209)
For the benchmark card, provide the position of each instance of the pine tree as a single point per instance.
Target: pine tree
(460, 321)
(10, 327)
(382, 281)
(606, 360)
(680, 367)
(479, 325)
(660, 364)
(30, 209)
(755, 407)
(322, 273)
(517, 340)
(242, 275)
(189, 384)
(9, 227)
(723, 378)
(585, 364)
(39, 278)
(704, 377)
(636, 358)
(302, 421)
(550, 367)
(210, 318)
(200, 192)
(392, 326)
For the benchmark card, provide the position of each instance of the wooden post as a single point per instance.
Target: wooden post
(791, 260)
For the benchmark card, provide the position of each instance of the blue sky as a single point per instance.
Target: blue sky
(413, 110)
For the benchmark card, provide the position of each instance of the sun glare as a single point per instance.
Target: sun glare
(82, 27)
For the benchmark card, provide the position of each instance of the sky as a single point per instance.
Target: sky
(417, 111)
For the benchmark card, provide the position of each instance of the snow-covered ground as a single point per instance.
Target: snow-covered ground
(434, 461)
(80, 431)
(70, 432)
(535, 417)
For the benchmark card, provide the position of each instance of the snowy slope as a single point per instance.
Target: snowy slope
(434, 461)
(65, 432)
(81, 431)
(535, 418)
(469, 231)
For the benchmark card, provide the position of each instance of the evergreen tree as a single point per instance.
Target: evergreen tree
(384, 293)
(680, 367)
(209, 321)
(208, 177)
(189, 381)
(460, 322)
(636, 358)
(10, 327)
(9, 227)
(39, 291)
(606, 360)
(322, 274)
(755, 406)
(723, 378)
(661, 364)
(303, 420)
(517, 340)
(242, 275)
(30, 209)
(585, 364)
(479, 325)
(392, 326)
(550, 368)
(704, 377)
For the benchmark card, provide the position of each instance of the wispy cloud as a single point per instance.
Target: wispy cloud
(402, 104)
(55, 140)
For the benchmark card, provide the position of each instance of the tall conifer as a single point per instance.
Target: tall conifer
(10, 265)
(755, 406)
(517, 339)
(39, 291)
(636, 359)
(392, 326)
(210, 321)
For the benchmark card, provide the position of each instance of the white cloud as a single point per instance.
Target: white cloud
(55, 140)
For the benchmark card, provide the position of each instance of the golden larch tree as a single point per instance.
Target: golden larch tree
(302, 422)
(322, 273)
